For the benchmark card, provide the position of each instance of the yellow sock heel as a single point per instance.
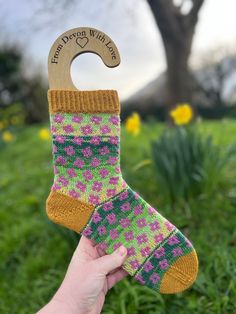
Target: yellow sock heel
(67, 211)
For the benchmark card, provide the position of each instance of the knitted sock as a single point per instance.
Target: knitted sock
(90, 196)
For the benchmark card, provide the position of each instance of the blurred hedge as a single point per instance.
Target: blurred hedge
(28, 91)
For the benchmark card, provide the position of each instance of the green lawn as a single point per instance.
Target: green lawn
(34, 253)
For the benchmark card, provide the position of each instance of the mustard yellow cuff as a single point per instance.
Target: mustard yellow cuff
(97, 101)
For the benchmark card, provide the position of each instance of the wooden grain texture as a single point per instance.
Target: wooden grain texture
(73, 43)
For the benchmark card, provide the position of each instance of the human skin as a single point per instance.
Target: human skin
(91, 273)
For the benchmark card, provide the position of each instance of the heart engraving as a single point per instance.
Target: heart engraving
(82, 41)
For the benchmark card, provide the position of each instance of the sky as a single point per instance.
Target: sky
(129, 23)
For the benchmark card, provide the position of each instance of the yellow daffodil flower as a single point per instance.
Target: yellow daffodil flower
(7, 136)
(15, 120)
(133, 124)
(44, 134)
(182, 114)
(3, 124)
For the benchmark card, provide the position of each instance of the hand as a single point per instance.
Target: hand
(90, 275)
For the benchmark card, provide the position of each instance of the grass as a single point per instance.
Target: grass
(34, 253)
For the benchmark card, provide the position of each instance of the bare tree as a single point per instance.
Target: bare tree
(215, 75)
(177, 29)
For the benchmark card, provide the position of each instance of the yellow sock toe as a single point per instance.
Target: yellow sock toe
(181, 274)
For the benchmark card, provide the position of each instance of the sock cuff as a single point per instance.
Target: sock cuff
(97, 101)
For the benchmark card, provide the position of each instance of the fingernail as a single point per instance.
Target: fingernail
(121, 251)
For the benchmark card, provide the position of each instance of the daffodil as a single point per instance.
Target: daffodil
(182, 114)
(7, 136)
(15, 120)
(133, 124)
(44, 134)
(3, 124)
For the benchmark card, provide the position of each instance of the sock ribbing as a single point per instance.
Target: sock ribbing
(98, 101)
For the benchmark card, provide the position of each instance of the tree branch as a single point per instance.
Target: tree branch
(167, 17)
(193, 14)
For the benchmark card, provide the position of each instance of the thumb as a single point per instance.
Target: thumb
(108, 263)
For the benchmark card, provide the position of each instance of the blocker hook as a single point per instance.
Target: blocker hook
(73, 43)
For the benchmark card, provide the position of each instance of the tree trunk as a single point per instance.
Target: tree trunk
(177, 30)
(179, 78)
